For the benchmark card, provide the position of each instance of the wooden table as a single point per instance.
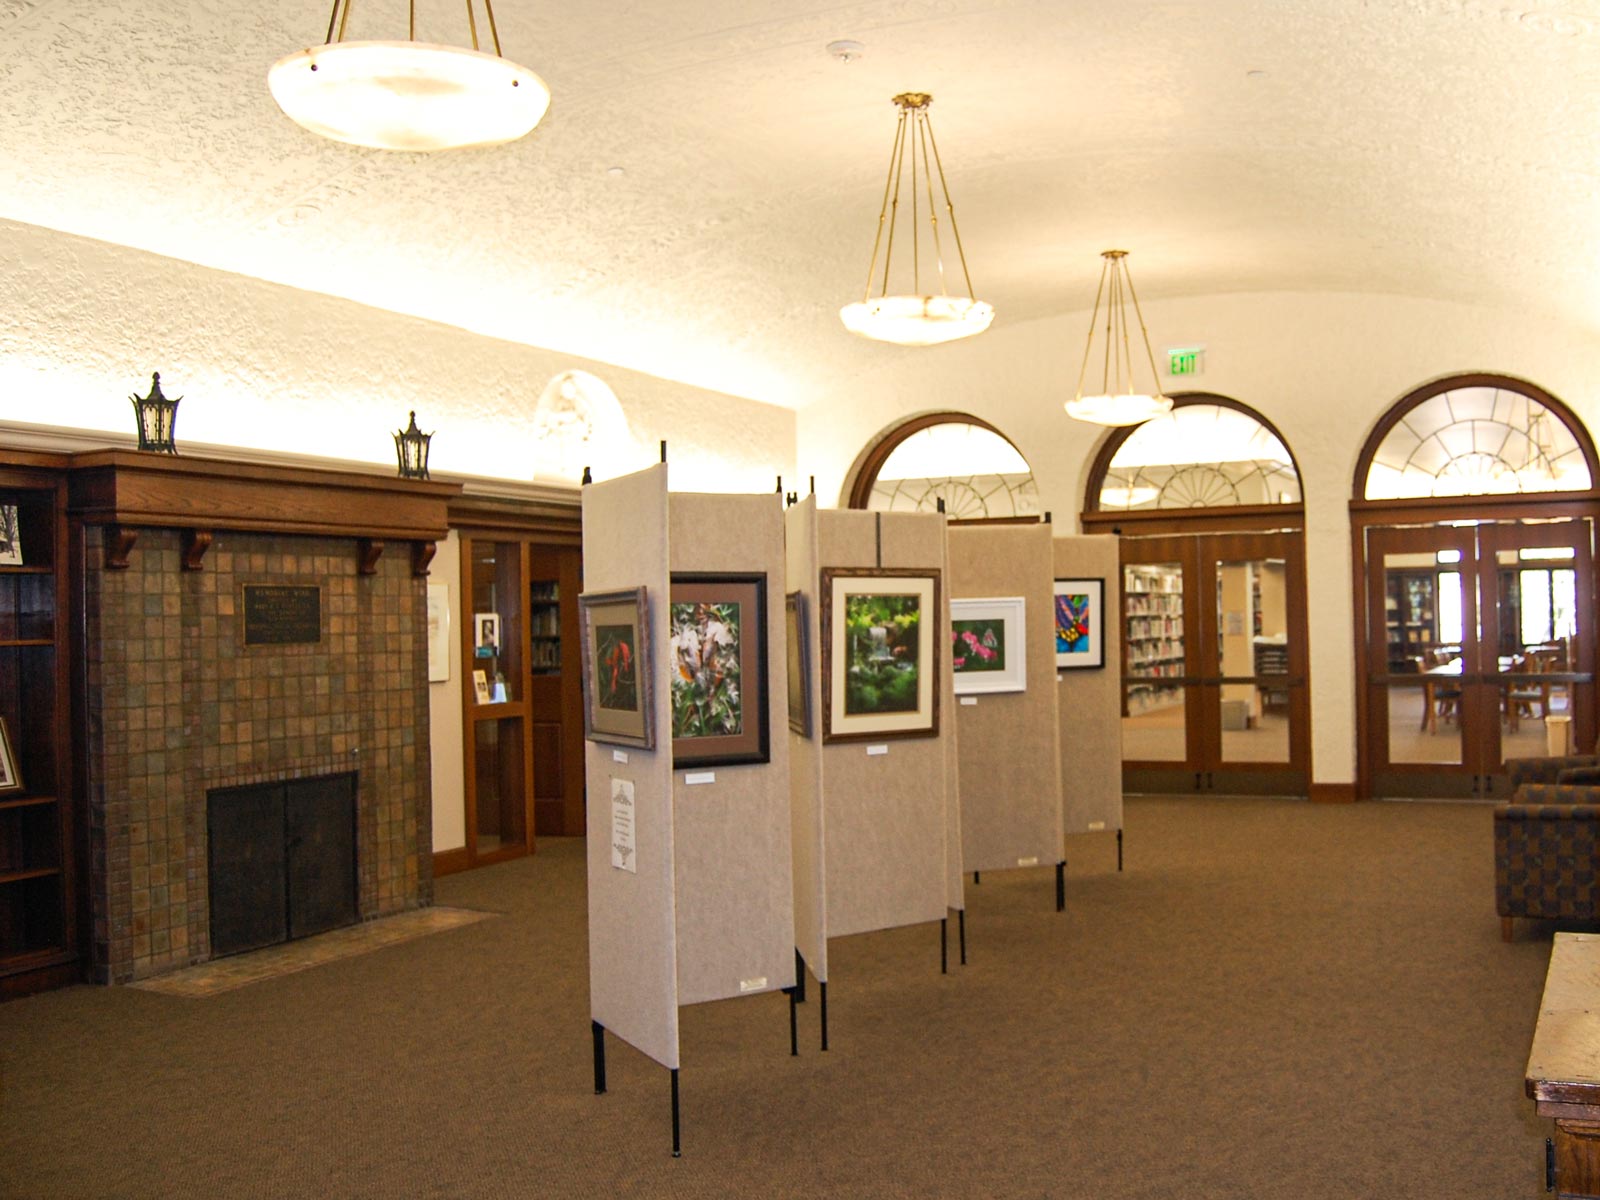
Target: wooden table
(1564, 1064)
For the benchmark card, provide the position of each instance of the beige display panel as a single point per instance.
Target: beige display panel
(1090, 702)
(807, 816)
(734, 887)
(633, 972)
(1009, 753)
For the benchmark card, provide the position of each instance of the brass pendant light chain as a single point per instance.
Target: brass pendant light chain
(339, 21)
(1088, 345)
(955, 230)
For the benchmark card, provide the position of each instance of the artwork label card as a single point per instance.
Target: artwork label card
(624, 849)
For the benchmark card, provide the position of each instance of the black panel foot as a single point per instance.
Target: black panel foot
(794, 1029)
(944, 945)
(1119, 849)
(677, 1146)
(1061, 885)
(975, 878)
(599, 1032)
(822, 1004)
(961, 926)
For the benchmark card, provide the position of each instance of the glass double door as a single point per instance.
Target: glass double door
(1479, 636)
(1214, 664)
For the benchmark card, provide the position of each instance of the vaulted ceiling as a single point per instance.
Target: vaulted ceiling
(701, 197)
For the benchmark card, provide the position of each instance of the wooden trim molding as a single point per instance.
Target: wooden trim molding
(1334, 793)
(128, 488)
(557, 519)
(866, 475)
(448, 862)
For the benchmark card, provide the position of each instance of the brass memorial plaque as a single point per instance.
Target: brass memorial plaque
(282, 614)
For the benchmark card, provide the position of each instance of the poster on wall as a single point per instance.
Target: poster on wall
(719, 669)
(988, 645)
(438, 632)
(880, 658)
(617, 668)
(1080, 623)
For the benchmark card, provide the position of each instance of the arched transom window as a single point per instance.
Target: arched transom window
(967, 464)
(1200, 455)
(1480, 440)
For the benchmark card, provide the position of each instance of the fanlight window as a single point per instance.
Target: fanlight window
(1477, 441)
(975, 471)
(1200, 456)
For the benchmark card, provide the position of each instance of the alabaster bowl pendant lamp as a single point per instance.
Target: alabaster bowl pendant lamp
(1118, 400)
(408, 95)
(917, 317)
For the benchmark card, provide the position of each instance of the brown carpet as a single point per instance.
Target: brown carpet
(1275, 999)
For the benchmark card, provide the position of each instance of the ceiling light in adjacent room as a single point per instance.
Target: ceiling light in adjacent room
(915, 318)
(1118, 401)
(408, 95)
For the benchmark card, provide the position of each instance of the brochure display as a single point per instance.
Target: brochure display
(1091, 700)
(690, 886)
(1002, 598)
(870, 813)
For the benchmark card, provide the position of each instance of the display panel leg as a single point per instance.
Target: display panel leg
(799, 977)
(599, 1032)
(1061, 886)
(975, 878)
(794, 1029)
(677, 1146)
(1119, 849)
(822, 1004)
(961, 928)
(944, 945)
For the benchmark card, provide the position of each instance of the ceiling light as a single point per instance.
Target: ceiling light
(915, 319)
(1117, 402)
(408, 95)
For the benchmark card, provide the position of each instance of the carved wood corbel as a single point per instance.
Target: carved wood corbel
(368, 552)
(421, 555)
(118, 545)
(195, 544)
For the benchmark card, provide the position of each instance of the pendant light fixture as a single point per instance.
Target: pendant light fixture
(408, 95)
(915, 318)
(1117, 402)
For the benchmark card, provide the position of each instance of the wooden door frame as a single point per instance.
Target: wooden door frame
(1424, 512)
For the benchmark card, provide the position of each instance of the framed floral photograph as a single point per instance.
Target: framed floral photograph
(617, 665)
(798, 644)
(718, 652)
(1080, 623)
(880, 655)
(988, 645)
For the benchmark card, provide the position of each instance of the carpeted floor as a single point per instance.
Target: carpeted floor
(1275, 999)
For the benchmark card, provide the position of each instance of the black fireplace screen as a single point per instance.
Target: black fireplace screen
(282, 860)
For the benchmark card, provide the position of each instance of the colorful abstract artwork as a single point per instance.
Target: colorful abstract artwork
(1080, 623)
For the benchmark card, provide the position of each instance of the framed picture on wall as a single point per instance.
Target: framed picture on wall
(988, 645)
(10, 536)
(798, 645)
(10, 776)
(880, 655)
(617, 671)
(718, 649)
(485, 634)
(438, 632)
(1080, 623)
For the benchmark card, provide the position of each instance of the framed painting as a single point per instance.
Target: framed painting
(10, 777)
(798, 644)
(880, 655)
(1080, 623)
(718, 648)
(988, 645)
(438, 632)
(10, 536)
(615, 649)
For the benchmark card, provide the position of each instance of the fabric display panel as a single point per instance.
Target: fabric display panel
(1002, 653)
(1090, 700)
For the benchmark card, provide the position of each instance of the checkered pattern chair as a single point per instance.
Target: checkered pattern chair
(1520, 771)
(1547, 854)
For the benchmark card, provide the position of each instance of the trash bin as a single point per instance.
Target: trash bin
(1558, 736)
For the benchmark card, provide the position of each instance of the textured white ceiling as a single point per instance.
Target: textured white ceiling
(1441, 148)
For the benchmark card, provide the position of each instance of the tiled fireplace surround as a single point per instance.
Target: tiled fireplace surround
(176, 704)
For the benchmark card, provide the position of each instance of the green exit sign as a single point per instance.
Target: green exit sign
(1188, 361)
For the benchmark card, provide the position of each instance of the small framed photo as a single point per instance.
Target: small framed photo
(1080, 624)
(880, 655)
(988, 645)
(480, 687)
(798, 643)
(617, 668)
(10, 777)
(485, 634)
(10, 536)
(718, 650)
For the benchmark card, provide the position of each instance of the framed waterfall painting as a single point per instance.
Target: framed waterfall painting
(1080, 623)
(880, 655)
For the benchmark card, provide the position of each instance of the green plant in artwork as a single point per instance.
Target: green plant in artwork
(617, 684)
(707, 700)
(978, 645)
(882, 667)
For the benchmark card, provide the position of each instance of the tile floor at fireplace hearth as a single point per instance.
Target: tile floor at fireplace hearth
(225, 974)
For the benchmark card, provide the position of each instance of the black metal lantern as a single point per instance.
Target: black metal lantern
(411, 447)
(157, 417)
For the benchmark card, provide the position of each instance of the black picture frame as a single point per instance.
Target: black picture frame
(798, 645)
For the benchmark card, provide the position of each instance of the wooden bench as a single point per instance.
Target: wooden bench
(1564, 1064)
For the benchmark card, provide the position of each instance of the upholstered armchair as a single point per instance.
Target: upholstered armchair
(1547, 854)
(1551, 770)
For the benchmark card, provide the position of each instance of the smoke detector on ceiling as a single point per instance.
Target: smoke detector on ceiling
(846, 51)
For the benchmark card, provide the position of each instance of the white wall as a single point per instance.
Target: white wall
(1322, 368)
(444, 714)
